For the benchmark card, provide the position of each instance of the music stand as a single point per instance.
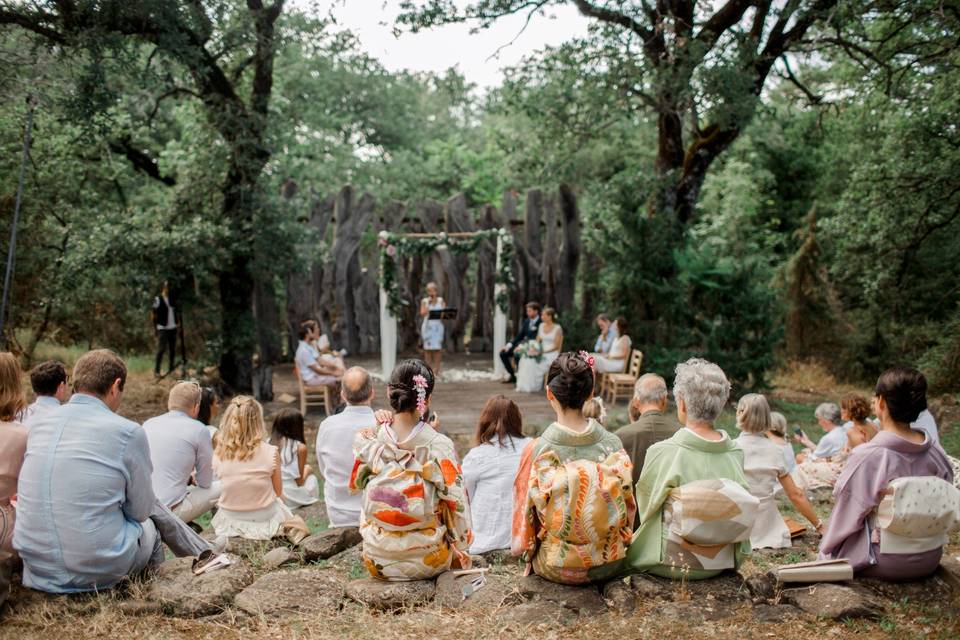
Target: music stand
(449, 313)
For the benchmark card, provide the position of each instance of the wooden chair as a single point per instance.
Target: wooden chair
(617, 385)
(313, 396)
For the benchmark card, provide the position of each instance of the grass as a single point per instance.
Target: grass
(136, 362)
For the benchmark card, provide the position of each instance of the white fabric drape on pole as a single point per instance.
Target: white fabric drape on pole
(499, 318)
(388, 336)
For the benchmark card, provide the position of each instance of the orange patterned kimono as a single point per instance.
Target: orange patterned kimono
(415, 519)
(573, 505)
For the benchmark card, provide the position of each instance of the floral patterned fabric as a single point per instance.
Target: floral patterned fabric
(573, 505)
(415, 519)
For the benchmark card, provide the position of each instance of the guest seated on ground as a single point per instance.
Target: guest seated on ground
(573, 506)
(251, 504)
(94, 520)
(49, 382)
(900, 456)
(608, 333)
(314, 371)
(766, 471)
(678, 467)
(335, 448)
(855, 411)
(593, 409)
(182, 456)
(649, 423)
(13, 444)
(210, 400)
(300, 486)
(819, 466)
(615, 360)
(415, 520)
(778, 435)
(489, 470)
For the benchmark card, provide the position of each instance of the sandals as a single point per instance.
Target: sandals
(210, 561)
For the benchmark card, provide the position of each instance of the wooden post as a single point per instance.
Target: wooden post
(499, 317)
(388, 336)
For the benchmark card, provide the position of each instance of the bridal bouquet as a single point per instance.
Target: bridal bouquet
(531, 349)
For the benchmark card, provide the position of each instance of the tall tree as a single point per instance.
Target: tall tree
(701, 68)
(227, 51)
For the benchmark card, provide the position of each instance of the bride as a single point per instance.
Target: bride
(550, 336)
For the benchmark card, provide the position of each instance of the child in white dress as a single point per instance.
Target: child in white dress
(300, 486)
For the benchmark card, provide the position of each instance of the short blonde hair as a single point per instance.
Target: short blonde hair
(241, 429)
(184, 396)
(753, 413)
(593, 408)
(778, 424)
(12, 400)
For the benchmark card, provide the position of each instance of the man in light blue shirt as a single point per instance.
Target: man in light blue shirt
(608, 334)
(86, 512)
(180, 452)
(49, 382)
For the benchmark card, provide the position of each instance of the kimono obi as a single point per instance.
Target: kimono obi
(917, 514)
(704, 520)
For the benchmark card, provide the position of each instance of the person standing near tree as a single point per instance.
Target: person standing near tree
(165, 321)
(432, 330)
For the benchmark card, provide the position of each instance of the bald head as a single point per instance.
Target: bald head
(357, 388)
(650, 393)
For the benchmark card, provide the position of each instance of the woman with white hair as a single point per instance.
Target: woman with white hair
(697, 452)
(767, 473)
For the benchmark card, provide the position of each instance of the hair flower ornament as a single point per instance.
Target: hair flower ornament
(589, 359)
(420, 383)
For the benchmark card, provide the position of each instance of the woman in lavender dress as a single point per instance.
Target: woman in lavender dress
(896, 451)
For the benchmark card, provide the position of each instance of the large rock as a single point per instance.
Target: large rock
(762, 586)
(775, 613)
(282, 593)
(329, 543)
(648, 588)
(835, 601)
(390, 596)
(185, 595)
(498, 591)
(585, 600)
(619, 597)
(278, 557)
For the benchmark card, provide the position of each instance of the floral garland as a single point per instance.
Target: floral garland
(393, 245)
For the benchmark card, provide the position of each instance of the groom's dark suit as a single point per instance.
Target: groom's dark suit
(528, 331)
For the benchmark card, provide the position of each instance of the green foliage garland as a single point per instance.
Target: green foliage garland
(392, 245)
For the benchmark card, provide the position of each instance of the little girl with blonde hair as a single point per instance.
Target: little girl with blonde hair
(251, 499)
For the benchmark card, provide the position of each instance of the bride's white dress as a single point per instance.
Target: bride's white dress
(530, 372)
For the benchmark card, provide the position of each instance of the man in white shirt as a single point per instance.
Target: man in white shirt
(180, 450)
(335, 447)
(314, 370)
(49, 382)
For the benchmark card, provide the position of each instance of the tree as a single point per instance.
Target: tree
(701, 72)
(226, 51)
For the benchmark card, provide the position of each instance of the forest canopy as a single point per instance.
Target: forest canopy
(758, 182)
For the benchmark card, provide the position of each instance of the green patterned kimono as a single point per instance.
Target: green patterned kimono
(683, 458)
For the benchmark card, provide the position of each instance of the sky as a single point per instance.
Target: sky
(475, 55)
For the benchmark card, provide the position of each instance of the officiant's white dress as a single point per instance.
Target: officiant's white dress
(530, 372)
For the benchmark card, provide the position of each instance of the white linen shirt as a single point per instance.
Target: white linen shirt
(335, 462)
(40, 407)
(488, 473)
(179, 445)
(306, 356)
(832, 442)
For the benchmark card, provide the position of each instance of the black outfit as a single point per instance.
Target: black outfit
(510, 358)
(166, 338)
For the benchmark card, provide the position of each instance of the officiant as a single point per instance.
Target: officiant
(527, 331)
(431, 329)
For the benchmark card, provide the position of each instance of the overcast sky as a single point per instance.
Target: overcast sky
(454, 46)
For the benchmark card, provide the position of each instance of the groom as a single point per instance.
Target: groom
(528, 331)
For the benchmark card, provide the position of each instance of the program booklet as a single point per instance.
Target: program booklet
(818, 571)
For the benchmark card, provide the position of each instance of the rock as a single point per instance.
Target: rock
(252, 550)
(139, 608)
(283, 593)
(389, 596)
(185, 595)
(619, 597)
(537, 613)
(498, 591)
(646, 588)
(581, 599)
(835, 601)
(278, 557)
(696, 611)
(949, 572)
(329, 543)
(775, 613)
(350, 562)
(762, 586)
(499, 557)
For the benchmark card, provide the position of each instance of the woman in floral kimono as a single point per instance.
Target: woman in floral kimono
(415, 520)
(698, 453)
(573, 505)
(896, 452)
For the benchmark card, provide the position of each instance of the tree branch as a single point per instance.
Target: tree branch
(811, 96)
(141, 161)
(613, 17)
